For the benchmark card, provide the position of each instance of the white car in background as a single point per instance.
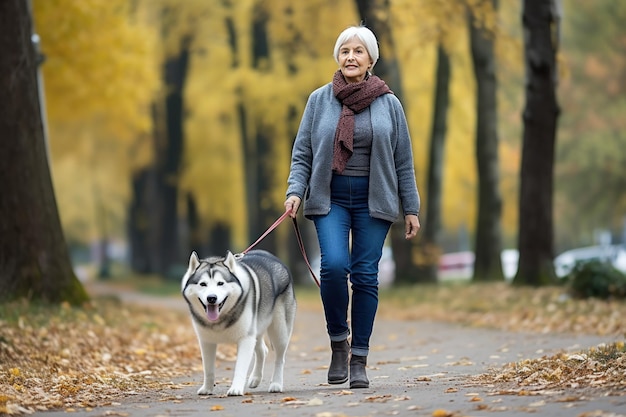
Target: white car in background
(613, 254)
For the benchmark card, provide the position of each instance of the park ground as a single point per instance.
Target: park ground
(449, 351)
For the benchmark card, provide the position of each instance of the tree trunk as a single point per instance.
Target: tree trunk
(139, 222)
(195, 237)
(541, 25)
(34, 259)
(267, 210)
(154, 217)
(430, 241)
(488, 246)
(169, 159)
(250, 169)
(258, 147)
(375, 14)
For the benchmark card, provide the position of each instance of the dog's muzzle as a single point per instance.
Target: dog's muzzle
(211, 308)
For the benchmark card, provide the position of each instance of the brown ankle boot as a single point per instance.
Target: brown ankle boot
(338, 369)
(358, 376)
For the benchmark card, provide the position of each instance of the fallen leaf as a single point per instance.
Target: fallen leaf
(403, 398)
(378, 398)
(568, 399)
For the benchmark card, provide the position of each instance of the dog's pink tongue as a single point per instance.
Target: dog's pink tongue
(212, 312)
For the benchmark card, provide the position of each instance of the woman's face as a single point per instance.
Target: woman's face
(354, 60)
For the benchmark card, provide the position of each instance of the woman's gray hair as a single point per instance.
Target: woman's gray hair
(364, 35)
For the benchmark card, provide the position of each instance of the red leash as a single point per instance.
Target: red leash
(301, 245)
(298, 236)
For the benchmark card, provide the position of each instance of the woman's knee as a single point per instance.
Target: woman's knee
(334, 266)
(365, 283)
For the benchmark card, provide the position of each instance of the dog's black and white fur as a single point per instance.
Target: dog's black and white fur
(239, 299)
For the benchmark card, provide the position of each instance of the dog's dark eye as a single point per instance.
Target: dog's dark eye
(220, 283)
(203, 284)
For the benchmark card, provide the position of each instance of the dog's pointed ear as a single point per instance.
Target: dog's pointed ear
(230, 261)
(194, 262)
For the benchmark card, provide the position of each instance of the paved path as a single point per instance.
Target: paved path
(415, 368)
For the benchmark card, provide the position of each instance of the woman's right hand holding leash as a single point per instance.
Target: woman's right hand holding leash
(293, 203)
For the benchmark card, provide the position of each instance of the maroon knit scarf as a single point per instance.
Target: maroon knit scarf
(354, 97)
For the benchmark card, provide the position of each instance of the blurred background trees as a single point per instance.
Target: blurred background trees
(171, 123)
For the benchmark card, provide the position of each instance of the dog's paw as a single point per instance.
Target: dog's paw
(254, 382)
(204, 390)
(276, 387)
(235, 391)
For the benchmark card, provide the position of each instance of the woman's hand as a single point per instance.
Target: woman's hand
(411, 226)
(293, 203)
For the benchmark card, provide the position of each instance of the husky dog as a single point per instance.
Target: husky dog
(238, 299)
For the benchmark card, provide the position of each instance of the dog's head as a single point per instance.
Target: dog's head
(211, 286)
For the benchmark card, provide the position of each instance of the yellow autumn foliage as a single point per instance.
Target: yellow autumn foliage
(100, 74)
(103, 69)
(99, 63)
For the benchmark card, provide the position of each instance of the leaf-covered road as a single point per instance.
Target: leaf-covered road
(144, 348)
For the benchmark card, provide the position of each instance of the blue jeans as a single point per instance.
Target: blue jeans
(349, 213)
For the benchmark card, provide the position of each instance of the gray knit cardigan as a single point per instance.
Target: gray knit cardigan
(392, 186)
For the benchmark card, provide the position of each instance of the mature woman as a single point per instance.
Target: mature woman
(352, 164)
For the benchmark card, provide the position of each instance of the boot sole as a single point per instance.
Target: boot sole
(359, 384)
(338, 381)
